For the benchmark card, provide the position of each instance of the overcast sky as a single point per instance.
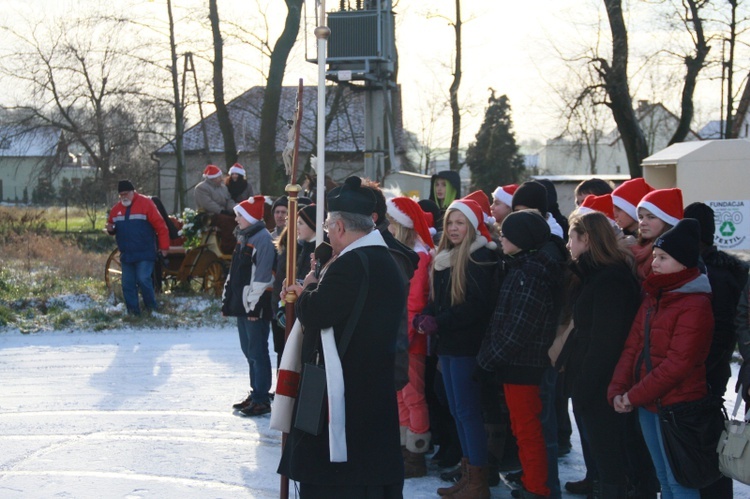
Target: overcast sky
(513, 47)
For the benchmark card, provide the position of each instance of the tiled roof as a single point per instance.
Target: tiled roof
(345, 135)
(19, 142)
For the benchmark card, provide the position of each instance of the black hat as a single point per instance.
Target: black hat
(527, 229)
(303, 201)
(532, 195)
(125, 186)
(352, 198)
(280, 201)
(681, 242)
(705, 216)
(307, 215)
(430, 206)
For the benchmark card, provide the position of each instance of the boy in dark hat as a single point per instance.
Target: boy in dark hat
(363, 456)
(727, 276)
(137, 226)
(520, 333)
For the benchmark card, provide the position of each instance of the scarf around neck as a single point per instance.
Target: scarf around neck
(444, 259)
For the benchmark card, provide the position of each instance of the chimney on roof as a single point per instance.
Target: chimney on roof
(642, 105)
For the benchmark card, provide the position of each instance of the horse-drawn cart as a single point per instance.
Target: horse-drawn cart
(200, 269)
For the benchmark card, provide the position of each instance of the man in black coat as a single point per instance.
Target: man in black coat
(373, 466)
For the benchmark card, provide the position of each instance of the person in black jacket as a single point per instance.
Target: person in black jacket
(371, 465)
(727, 276)
(247, 296)
(607, 298)
(520, 332)
(457, 312)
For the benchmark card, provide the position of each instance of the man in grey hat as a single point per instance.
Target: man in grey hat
(370, 464)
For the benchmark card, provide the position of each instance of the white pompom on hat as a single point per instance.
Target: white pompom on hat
(628, 194)
(251, 209)
(238, 169)
(408, 213)
(665, 204)
(211, 171)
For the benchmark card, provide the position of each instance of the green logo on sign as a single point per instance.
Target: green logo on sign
(727, 229)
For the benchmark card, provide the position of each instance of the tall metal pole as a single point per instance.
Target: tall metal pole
(322, 32)
(292, 190)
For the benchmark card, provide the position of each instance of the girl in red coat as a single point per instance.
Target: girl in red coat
(408, 225)
(676, 313)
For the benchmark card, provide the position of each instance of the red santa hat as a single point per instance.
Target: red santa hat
(504, 193)
(211, 171)
(251, 209)
(627, 195)
(665, 204)
(238, 169)
(408, 213)
(484, 202)
(602, 204)
(473, 213)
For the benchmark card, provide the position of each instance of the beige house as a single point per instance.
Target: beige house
(345, 140)
(606, 156)
(716, 172)
(28, 155)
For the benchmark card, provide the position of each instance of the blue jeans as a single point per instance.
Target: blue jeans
(254, 344)
(134, 276)
(549, 425)
(670, 489)
(464, 401)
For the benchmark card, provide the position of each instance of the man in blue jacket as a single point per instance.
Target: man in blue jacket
(137, 226)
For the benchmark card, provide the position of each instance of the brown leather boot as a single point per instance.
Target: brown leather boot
(476, 486)
(444, 491)
(414, 464)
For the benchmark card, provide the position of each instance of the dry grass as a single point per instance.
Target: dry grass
(65, 258)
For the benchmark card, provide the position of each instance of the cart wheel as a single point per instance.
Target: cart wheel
(113, 275)
(213, 279)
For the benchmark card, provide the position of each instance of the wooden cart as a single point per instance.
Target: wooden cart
(200, 269)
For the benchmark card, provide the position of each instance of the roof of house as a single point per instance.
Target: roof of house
(346, 133)
(20, 142)
(714, 129)
(644, 111)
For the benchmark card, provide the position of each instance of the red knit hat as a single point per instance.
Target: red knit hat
(212, 171)
(408, 213)
(602, 204)
(473, 213)
(251, 209)
(484, 202)
(627, 195)
(665, 204)
(238, 169)
(504, 193)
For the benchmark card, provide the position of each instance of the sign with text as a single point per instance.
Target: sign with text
(732, 219)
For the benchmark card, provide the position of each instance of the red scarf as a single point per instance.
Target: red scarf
(643, 256)
(655, 283)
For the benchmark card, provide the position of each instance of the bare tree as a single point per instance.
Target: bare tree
(455, 109)
(693, 63)
(614, 74)
(83, 79)
(271, 100)
(222, 113)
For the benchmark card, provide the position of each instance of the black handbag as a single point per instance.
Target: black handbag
(690, 432)
(312, 399)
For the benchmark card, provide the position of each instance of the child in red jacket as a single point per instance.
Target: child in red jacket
(676, 313)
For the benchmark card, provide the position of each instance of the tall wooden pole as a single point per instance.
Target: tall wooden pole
(292, 190)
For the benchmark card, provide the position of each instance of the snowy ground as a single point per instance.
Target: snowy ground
(145, 414)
